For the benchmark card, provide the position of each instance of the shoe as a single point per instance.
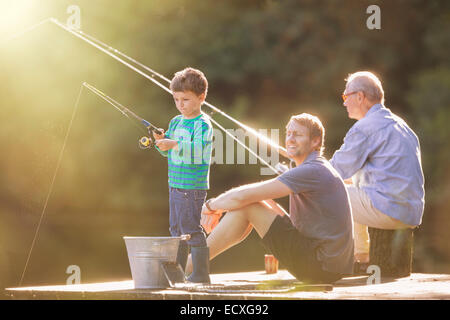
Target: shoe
(182, 254)
(200, 265)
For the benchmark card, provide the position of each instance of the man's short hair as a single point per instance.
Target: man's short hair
(314, 126)
(368, 83)
(189, 79)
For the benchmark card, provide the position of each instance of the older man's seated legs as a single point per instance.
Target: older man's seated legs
(364, 215)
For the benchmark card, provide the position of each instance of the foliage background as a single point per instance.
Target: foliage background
(265, 60)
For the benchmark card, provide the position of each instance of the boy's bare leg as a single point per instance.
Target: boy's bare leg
(237, 225)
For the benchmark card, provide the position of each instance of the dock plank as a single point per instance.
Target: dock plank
(250, 285)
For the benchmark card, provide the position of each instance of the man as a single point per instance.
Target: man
(314, 243)
(382, 156)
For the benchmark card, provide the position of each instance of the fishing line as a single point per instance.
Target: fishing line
(21, 33)
(125, 111)
(58, 164)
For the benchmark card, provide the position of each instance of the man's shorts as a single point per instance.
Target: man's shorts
(295, 252)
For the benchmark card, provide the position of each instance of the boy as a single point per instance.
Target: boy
(187, 144)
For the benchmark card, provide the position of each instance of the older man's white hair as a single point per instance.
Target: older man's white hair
(368, 83)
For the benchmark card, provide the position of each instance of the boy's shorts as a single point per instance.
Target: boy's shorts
(185, 213)
(295, 252)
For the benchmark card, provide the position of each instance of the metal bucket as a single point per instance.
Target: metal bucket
(145, 255)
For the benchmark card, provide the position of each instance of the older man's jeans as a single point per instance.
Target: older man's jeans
(185, 213)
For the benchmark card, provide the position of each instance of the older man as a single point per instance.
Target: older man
(382, 156)
(314, 243)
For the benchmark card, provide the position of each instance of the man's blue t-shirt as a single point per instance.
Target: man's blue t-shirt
(320, 209)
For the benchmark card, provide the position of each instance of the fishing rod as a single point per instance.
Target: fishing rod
(105, 46)
(114, 52)
(145, 142)
(128, 61)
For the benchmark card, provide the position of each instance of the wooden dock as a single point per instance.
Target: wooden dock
(249, 286)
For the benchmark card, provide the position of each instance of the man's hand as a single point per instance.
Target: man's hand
(166, 144)
(210, 219)
(158, 136)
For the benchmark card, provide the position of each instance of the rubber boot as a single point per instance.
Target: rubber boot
(182, 254)
(200, 265)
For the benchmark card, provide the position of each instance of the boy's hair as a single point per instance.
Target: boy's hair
(189, 79)
(314, 126)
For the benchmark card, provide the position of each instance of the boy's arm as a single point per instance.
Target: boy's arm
(164, 145)
(159, 137)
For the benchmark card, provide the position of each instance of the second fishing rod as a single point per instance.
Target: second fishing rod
(138, 66)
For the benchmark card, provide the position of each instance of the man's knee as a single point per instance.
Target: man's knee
(265, 207)
(261, 216)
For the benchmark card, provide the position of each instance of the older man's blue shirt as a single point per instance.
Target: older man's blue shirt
(382, 154)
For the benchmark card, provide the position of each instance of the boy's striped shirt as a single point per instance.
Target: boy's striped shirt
(188, 167)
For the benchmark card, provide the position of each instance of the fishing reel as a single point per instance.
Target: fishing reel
(145, 143)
